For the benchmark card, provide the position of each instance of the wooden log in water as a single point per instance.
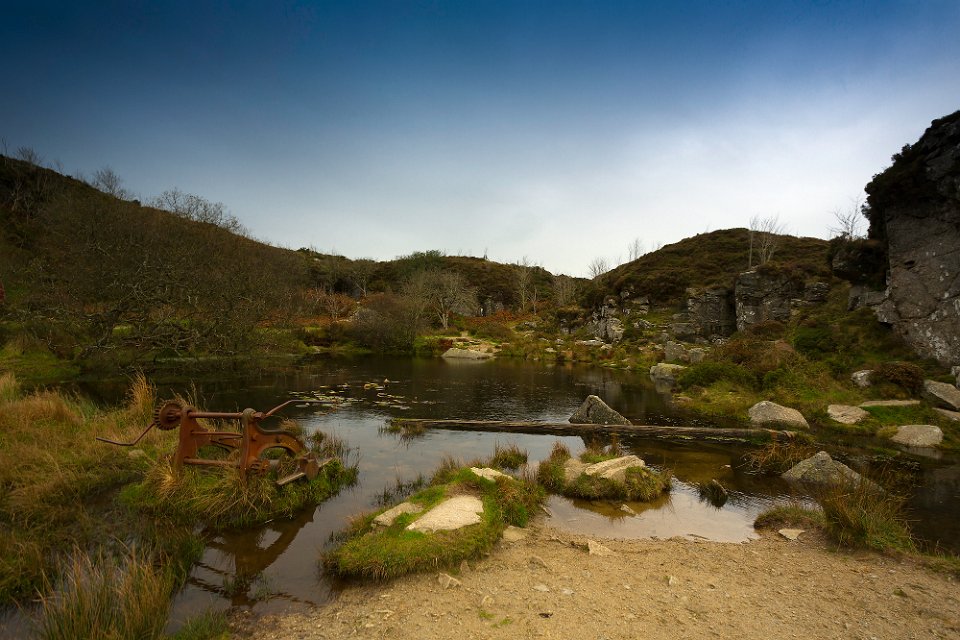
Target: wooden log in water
(570, 429)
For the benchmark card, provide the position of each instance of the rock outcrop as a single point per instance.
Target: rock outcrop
(760, 296)
(666, 373)
(712, 311)
(914, 207)
(941, 394)
(596, 411)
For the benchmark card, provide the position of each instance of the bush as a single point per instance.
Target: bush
(814, 341)
(706, 374)
(905, 375)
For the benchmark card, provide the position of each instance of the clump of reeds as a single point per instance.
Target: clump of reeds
(508, 457)
(778, 457)
(102, 597)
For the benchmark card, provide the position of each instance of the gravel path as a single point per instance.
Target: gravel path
(547, 585)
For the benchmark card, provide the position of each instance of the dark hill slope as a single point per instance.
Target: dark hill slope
(707, 259)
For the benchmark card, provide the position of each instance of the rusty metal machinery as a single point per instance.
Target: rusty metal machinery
(249, 443)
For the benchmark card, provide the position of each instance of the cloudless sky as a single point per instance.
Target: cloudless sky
(559, 131)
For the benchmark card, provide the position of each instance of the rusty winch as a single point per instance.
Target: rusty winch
(249, 443)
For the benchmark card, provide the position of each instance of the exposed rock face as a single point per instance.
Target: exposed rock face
(862, 378)
(712, 311)
(674, 352)
(761, 296)
(822, 470)
(941, 394)
(606, 322)
(768, 413)
(918, 435)
(596, 411)
(915, 208)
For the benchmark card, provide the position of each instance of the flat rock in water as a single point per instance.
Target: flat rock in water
(890, 403)
(596, 411)
(918, 435)
(822, 470)
(465, 354)
(387, 518)
(846, 414)
(941, 394)
(771, 413)
(614, 469)
(449, 515)
(489, 474)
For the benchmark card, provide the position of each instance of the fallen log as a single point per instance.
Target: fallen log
(535, 427)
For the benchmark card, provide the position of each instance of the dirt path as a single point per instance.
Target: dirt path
(548, 586)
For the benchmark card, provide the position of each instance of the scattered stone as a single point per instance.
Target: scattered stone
(664, 372)
(626, 509)
(489, 474)
(542, 588)
(514, 534)
(596, 549)
(537, 561)
(941, 394)
(918, 435)
(465, 354)
(388, 517)
(946, 413)
(596, 411)
(862, 378)
(567, 592)
(451, 514)
(671, 581)
(791, 534)
(590, 343)
(955, 371)
(770, 413)
(675, 352)
(822, 470)
(890, 403)
(696, 355)
(846, 414)
(447, 581)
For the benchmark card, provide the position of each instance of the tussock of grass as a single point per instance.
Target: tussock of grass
(863, 517)
(778, 457)
(508, 457)
(639, 484)
(210, 625)
(790, 515)
(223, 498)
(101, 597)
(384, 554)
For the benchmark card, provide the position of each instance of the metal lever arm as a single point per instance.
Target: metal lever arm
(127, 444)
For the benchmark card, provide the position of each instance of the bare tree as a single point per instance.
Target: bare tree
(199, 209)
(107, 180)
(360, 271)
(523, 276)
(597, 267)
(849, 222)
(635, 249)
(440, 292)
(764, 237)
(564, 290)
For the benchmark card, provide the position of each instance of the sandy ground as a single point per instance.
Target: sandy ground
(548, 585)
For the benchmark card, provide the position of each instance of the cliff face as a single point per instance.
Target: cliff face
(915, 208)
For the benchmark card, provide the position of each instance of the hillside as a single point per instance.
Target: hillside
(707, 259)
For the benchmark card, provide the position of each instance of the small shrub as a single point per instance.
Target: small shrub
(814, 341)
(905, 375)
(768, 330)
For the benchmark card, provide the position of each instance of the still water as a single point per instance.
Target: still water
(275, 567)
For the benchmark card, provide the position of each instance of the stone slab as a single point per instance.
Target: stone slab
(489, 474)
(846, 414)
(941, 394)
(890, 403)
(449, 515)
(918, 435)
(388, 517)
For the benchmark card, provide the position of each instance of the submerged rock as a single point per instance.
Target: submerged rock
(822, 470)
(918, 435)
(596, 411)
(466, 354)
(941, 394)
(771, 413)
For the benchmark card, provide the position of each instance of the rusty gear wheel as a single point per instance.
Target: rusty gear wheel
(167, 417)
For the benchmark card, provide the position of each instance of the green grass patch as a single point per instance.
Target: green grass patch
(384, 553)
(638, 484)
(209, 625)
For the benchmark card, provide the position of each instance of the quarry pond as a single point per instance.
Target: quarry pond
(274, 567)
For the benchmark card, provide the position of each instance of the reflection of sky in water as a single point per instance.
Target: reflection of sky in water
(280, 560)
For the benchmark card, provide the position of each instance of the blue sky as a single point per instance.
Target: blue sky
(556, 131)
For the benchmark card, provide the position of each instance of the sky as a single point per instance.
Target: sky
(554, 131)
